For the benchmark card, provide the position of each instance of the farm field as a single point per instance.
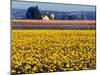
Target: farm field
(39, 51)
(52, 22)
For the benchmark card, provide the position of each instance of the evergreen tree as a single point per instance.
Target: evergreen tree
(33, 13)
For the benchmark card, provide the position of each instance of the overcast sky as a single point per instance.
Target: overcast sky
(52, 6)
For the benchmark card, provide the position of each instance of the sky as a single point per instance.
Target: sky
(52, 6)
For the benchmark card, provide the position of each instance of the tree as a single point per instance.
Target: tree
(33, 13)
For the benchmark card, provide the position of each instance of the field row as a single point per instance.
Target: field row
(36, 51)
(53, 22)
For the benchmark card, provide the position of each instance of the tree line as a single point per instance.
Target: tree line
(34, 13)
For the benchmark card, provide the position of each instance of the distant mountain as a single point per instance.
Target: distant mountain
(18, 13)
(59, 15)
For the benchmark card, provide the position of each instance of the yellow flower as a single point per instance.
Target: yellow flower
(53, 50)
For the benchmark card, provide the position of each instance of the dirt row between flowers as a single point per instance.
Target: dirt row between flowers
(53, 24)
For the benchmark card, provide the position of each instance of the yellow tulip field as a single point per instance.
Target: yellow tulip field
(39, 51)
